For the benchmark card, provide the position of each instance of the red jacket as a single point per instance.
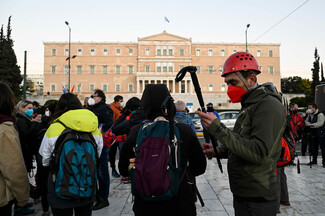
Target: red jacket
(297, 118)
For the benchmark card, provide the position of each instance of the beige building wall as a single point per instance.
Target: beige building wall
(125, 68)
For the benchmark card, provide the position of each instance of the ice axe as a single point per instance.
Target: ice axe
(179, 77)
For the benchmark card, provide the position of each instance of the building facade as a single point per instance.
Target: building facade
(125, 68)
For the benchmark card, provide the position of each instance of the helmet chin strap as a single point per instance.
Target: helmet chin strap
(244, 81)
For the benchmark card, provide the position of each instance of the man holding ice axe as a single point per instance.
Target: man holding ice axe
(254, 146)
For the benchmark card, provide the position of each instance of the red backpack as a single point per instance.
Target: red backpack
(288, 152)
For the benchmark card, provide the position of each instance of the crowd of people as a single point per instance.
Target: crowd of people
(29, 137)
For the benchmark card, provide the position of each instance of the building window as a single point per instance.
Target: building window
(147, 68)
(130, 88)
(170, 52)
(270, 53)
(53, 52)
(198, 52)
(210, 69)
(79, 87)
(105, 52)
(170, 69)
(180, 67)
(181, 52)
(92, 69)
(92, 52)
(158, 68)
(221, 68)
(130, 52)
(79, 52)
(79, 69)
(130, 69)
(198, 69)
(147, 51)
(92, 87)
(258, 53)
(66, 52)
(66, 69)
(271, 70)
(210, 87)
(117, 69)
(53, 69)
(164, 68)
(164, 52)
(223, 87)
(118, 52)
(210, 52)
(117, 87)
(158, 52)
(222, 52)
(105, 69)
(182, 87)
(105, 88)
(234, 51)
(53, 88)
(260, 67)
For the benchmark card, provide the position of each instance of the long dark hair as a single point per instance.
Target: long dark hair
(7, 101)
(67, 102)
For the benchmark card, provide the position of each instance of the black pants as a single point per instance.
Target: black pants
(112, 154)
(79, 211)
(249, 208)
(41, 183)
(282, 186)
(6, 210)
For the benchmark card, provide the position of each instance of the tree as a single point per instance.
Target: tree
(315, 76)
(322, 73)
(295, 85)
(9, 70)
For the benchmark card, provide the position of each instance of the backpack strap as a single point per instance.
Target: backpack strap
(192, 182)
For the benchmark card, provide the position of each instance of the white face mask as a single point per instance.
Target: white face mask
(91, 101)
(47, 113)
(121, 104)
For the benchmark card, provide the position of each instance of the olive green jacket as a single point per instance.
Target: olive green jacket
(254, 146)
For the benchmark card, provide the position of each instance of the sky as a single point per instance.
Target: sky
(36, 21)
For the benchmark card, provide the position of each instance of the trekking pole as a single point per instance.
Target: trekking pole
(179, 77)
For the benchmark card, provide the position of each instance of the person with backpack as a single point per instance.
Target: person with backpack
(169, 175)
(74, 143)
(131, 115)
(14, 184)
(181, 116)
(97, 104)
(315, 121)
(254, 146)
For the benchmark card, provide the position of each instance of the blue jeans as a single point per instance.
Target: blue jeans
(103, 174)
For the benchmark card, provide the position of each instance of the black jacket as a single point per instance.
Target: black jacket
(184, 203)
(104, 114)
(28, 135)
(123, 125)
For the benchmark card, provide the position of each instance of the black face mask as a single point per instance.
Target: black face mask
(210, 109)
(295, 111)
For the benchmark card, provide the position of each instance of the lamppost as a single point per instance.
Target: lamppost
(246, 35)
(66, 22)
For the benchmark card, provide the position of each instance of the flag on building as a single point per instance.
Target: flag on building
(72, 89)
(166, 20)
(63, 89)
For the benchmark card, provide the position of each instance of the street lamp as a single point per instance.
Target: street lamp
(246, 35)
(66, 22)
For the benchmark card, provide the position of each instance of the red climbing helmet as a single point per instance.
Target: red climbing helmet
(240, 61)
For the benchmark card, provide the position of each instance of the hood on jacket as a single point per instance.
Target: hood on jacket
(153, 97)
(80, 120)
(260, 92)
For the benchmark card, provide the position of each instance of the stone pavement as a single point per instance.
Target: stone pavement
(306, 192)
